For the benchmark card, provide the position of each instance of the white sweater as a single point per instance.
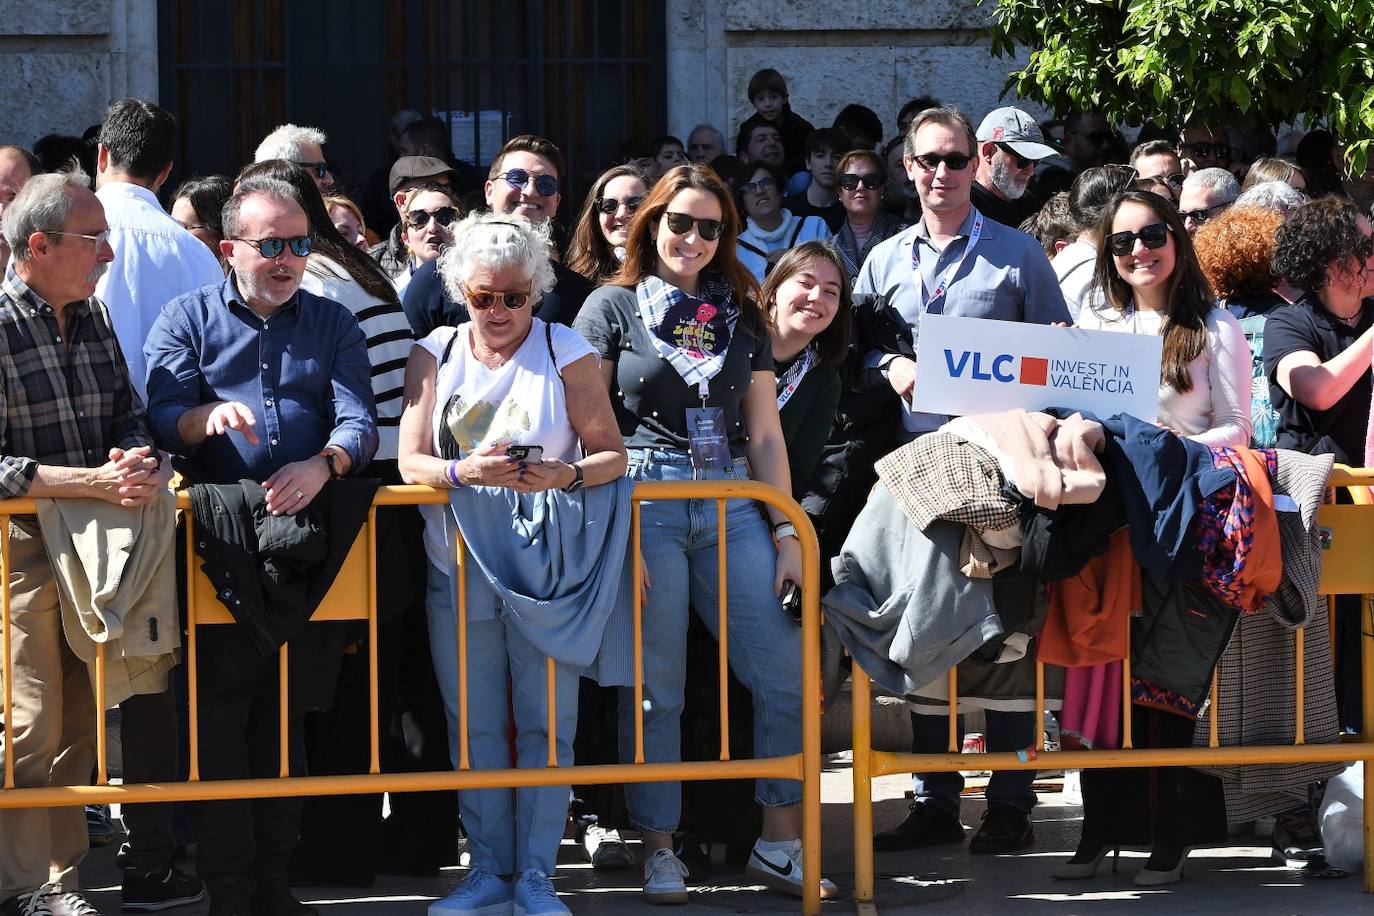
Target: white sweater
(804, 228)
(1216, 411)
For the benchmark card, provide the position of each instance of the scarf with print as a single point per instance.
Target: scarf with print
(691, 332)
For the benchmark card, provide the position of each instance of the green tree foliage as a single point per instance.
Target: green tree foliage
(1269, 61)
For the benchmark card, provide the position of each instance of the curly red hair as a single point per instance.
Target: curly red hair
(1236, 248)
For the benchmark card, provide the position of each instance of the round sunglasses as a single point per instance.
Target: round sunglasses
(483, 299)
(544, 185)
(609, 205)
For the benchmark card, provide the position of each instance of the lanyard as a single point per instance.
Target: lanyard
(787, 384)
(930, 301)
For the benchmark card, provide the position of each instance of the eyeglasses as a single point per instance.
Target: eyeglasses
(761, 184)
(544, 185)
(1174, 181)
(681, 224)
(1203, 215)
(418, 219)
(100, 238)
(320, 169)
(1021, 161)
(850, 182)
(609, 205)
(271, 248)
(1151, 236)
(1205, 150)
(483, 299)
(955, 162)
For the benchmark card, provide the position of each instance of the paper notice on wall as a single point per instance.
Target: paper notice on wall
(979, 365)
(465, 127)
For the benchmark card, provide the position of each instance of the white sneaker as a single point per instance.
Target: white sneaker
(605, 849)
(781, 870)
(664, 876)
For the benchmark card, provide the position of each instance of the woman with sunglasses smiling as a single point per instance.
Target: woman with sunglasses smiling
(687, 358)
(770, 229)
(861, 179)
(503, 380)
(427, 214)
(598, 242)
(1152, 284)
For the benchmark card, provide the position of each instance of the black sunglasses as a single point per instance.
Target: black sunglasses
(1021, 161)
(271, 248)
(956, 162)
(609, 205)
(681, 223)
(1174, 181)
(1203, 150)
(1203, 215)
(544, 185)
(320, 169)
(851, 182)
(418, 219)
(1151, 236)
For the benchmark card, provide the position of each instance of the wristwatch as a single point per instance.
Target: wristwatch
(329, 457)
(577, 481)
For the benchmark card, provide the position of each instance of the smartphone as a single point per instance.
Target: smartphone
(791, 599)
(527, 453)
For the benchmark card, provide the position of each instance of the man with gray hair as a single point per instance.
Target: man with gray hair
(72, 428)
(292, 408)
(1278, 196)
(705, 143)
(1206, 193)
(302, 145)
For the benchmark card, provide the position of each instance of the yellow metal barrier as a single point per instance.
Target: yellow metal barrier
(1346, 569)
(359, 577)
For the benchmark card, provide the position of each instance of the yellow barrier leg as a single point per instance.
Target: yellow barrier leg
(862, 712)
(1367, 675)
(811, 726)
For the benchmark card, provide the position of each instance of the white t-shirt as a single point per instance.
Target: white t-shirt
(1216, 410)
(520, 403)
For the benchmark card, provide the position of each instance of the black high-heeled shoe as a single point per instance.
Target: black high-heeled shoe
(1085, 862)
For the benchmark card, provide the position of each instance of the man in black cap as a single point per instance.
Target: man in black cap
(408, 172)
(1009, 145)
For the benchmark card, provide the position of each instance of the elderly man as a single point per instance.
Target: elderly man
(1009, 146)
(1206, 193)
(155, 260)
(968, 265)
(302, 145)
(523, 180)
(72, 427)
(705, 143)
(255, 379)
(17, 165)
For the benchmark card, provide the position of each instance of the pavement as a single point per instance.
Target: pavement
(1240, 878)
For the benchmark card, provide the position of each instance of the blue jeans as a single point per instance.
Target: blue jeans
(679, 543)
(504, 839)
(1007, 731)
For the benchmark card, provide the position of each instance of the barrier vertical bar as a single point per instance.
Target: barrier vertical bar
(862, 730)
(192, 676)
(1300, 686)
(811, 722)
(1212, 740)
(722, 640)
(1040, 704)
(284, 710)
(953, 682)
(374, 762)
(460, 604)
(102, 774)
(550, 677)
(639, 631)
(1367, 677)
(1126, 695)
(8, 674)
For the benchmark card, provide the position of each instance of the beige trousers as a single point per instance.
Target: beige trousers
(54, 726)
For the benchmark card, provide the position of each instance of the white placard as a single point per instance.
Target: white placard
(462, 128)
(978, 365)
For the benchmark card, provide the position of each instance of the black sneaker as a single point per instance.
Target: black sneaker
(924, 826)
(273, 897)
(1006, 828)
(99, 827)
(1297, 842)
(161, 890)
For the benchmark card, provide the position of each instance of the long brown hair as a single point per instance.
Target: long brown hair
(832, 344)
(641, 254)
(589, 254)
(1190, 296)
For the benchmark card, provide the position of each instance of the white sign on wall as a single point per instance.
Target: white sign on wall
(978, 365)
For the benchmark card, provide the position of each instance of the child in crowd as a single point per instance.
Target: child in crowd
(768, 95)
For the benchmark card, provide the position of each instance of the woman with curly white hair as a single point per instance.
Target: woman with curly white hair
(495, 411)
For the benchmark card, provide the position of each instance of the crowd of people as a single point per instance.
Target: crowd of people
(286, 345)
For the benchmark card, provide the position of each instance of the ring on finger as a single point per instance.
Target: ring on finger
(300, 495)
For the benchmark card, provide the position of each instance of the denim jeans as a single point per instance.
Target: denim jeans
(503, 838)
(679, 545)
(1007, 731)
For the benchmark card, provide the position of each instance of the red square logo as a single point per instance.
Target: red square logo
(1035, 370)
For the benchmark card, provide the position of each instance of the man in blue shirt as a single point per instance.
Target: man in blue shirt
(955, 261)
(256, 379)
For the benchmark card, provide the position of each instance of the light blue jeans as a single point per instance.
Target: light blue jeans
(678, 542)
(504, 839)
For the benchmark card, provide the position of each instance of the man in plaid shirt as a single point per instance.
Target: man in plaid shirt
(71, 426)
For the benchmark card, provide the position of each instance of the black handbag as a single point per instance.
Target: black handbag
(1177, 640)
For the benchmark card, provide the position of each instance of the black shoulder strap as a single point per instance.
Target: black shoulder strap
(448, 348)
(796, 231)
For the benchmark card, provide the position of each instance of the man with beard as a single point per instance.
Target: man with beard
(1009, 146)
